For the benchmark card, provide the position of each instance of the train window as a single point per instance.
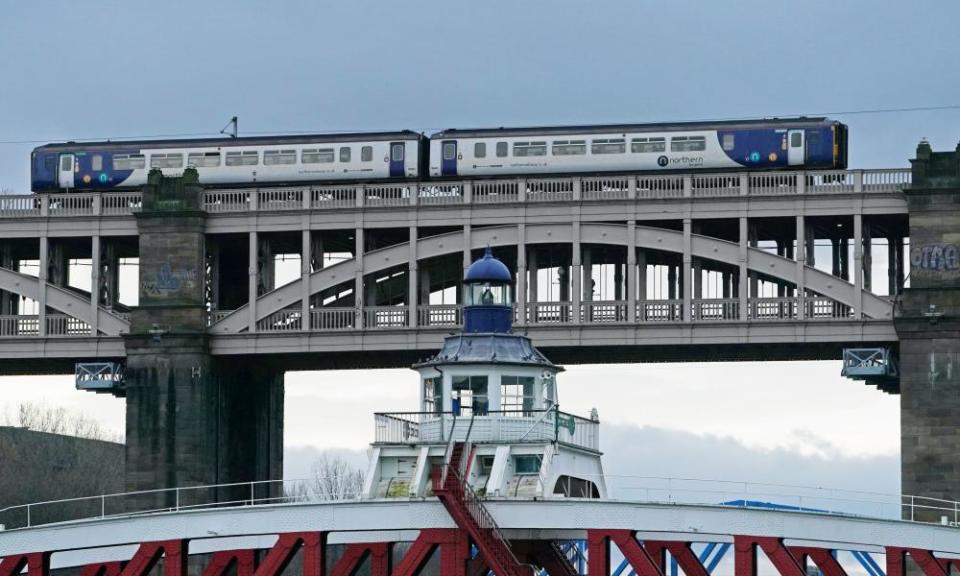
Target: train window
(244, 158)
(688, 143)
(274, 157)
(647, 145)
(203, 159)
(396, 152)
(729, 142)
(529, 148)
(129, 162)
(480, 150)
(608, 146)
(345, 154)
(96, 162)
(166, 160)
(449, 150)
(366, 154)
(317, 156)
(502, 149)
(66, 163)
(569, 147)
(813, 140)
(796, 140)
(50, 163)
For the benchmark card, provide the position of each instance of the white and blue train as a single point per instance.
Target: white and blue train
(796, 143)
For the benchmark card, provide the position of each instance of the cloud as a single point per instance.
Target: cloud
(637, 458)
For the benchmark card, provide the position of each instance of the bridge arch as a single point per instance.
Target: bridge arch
(650, 238)
(63, 300)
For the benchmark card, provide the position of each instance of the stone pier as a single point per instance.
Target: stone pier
(191, 419)
(927, 320)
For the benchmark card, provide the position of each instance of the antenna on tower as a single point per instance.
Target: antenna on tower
(231, 128)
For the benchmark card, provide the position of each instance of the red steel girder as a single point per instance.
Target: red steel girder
(822, 557)
(454, 545)
(222, 561)
(681, 552)
(173, 552)
(930, 565)
(745, 558)
(355, 554)
(647, 559)
(313, 545)
(103, 569)
(36, 563)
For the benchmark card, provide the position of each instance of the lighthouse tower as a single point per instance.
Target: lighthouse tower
(494, 390)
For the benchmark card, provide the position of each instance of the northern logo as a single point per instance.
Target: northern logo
(663, 161)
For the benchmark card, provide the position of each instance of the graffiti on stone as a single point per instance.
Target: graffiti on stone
(935, 258)
(167, 280)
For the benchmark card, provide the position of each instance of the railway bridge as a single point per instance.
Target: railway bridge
(237, 286)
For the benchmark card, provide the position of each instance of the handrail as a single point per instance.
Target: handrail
(657, 489)
(636, 186)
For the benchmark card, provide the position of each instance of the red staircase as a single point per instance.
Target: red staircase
(468, 511)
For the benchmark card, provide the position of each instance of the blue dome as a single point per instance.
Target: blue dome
(488, 269)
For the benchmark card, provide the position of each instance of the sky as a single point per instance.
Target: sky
(80, 70)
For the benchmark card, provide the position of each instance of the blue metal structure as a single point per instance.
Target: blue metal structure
(876, 366)
(487, 298)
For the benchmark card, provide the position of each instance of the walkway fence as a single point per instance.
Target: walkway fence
(502, 191)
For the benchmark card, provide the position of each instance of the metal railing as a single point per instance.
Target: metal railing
(171, 500)
(338, 319)
(624, 488)
(492, 426)
(784, 497)
(29, 325)
(506, 190)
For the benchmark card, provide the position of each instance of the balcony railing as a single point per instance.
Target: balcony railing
(29, 325)
(338, 319)
(510, 426)
(501, 191)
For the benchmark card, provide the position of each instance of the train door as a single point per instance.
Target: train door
(448, 158)
(397, 159)
(795, 150)
(65, 173)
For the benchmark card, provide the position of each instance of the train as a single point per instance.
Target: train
(762, 144)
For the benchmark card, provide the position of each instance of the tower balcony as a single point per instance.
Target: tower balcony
(490, 427)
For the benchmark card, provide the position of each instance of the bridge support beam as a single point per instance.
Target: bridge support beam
(927, 320)
(190, 420)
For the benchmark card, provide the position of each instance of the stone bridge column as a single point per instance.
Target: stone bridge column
(191, 419)
(927, 319)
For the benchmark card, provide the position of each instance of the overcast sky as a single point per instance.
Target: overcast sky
(75, 70)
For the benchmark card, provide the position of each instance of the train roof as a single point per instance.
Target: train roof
(802, 121)
(241, 141)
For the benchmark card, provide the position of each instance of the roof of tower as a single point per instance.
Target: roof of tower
(488, 349)
(488, 269)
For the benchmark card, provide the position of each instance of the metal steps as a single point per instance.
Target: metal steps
(468, 511)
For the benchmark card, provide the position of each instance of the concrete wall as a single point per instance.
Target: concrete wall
(38, 466)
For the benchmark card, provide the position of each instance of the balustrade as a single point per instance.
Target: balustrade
(439, 315)
(385, 317)
(333, 319)
(714, 310)
(601, 312)
(500, 191)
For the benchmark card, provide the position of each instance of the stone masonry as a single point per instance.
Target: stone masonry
(191, 420)
(927, 319)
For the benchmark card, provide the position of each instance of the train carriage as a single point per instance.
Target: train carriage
(230, 161)
(798, 143)
(793, 143)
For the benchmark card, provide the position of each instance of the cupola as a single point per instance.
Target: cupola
(487, 301)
